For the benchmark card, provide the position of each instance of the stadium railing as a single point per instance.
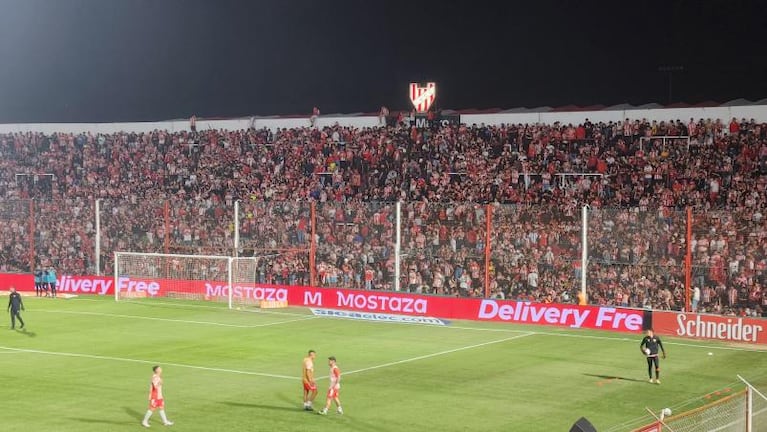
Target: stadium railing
(635, 257)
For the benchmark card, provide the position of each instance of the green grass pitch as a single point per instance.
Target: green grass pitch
(84, 364)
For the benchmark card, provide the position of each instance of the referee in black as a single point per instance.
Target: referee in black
(15, 306)
(649, 347)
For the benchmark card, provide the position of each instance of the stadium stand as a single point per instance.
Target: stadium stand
(174, 192)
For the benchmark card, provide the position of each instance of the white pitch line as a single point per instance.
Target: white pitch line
(194, 306)
(715, 347)
(437, 354)
(129, 360)
(581, 336)
(212, 323)
(221, 308)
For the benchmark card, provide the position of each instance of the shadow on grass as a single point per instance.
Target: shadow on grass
(365, 426)
(26, 332)
(613, 377)
(265, 407)
(133, 413)
(100, 421)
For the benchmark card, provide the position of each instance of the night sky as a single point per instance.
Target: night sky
(128, 60)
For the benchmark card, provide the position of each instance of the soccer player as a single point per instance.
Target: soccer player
(15, 305)
(44, 282)
(38, 282)
(52, 281)
(310, 387)
(156, 400)
(335, 387)
(649, 347)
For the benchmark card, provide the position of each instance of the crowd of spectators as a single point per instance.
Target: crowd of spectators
(520, 187)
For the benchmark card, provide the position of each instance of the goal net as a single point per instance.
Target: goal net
(726, 415)
(188, 277)
(744, 411)
(238, 282)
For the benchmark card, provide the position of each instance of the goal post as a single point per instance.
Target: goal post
(756, 407)
(188, 277)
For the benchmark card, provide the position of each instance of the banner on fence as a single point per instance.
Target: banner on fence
(477, 309)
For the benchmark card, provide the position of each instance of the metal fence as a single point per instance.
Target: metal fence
(652, 257)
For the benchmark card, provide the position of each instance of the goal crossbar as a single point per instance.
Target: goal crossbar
(162, 255)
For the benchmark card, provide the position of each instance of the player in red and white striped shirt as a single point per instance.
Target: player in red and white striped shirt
(156, 400)
(335, 387)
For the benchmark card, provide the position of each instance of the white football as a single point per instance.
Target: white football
(647, 351)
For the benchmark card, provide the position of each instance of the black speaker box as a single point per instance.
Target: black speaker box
(583, 425)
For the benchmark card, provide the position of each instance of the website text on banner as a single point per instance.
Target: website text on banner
(713, 327)
(573, 316)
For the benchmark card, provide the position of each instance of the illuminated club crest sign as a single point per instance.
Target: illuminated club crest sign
(423, 97)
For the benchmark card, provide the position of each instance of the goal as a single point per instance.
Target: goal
(189, 277)
(224, 279)
(744, 411)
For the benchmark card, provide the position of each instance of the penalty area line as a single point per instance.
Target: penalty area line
(211, 323)
(437, 354)
(153, 362)
(153, 302)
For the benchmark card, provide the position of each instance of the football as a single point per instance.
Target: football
(647, 351)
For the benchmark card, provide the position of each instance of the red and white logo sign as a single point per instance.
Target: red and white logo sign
(423, 97)
(715, 327)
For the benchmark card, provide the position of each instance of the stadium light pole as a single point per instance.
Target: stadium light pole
(397, 245)
(98, 237)
(584, 249)
(668, 69)
(236, 228)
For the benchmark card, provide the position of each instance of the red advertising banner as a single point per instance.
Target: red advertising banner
(712, 327)
(64, 284)
(686, 325)
(655, 427)
(563, 315)
(22, 282)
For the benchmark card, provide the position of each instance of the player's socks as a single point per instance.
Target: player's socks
(146, 418)
(165, 420)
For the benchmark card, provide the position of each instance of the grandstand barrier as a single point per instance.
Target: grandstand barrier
(562, 315)
(757, 112)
